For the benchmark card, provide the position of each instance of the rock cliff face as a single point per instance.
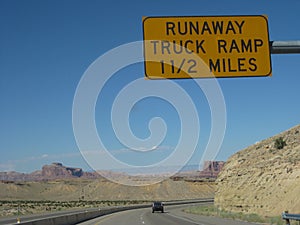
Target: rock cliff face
(210, 171)
(263, 178)
(58, 170)
(49, 172)
(212, 168)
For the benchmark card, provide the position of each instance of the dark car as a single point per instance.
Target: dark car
(157, 206)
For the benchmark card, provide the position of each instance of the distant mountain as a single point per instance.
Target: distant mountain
(59, 171)
(49, 172)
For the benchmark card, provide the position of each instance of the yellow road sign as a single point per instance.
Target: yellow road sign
(213, 46)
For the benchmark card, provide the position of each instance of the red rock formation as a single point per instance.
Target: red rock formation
(49, 172)
(212, 168)
(57, 170)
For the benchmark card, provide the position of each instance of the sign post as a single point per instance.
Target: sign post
(200, 47)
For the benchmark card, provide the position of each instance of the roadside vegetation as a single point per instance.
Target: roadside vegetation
(279, 143)
(26, 207)
(214, 211)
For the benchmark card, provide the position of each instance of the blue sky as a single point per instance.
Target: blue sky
(46, 47)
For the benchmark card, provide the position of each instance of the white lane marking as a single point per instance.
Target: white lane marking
(142, 217)
(186, 219)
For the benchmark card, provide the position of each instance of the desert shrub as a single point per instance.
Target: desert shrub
(279, 143)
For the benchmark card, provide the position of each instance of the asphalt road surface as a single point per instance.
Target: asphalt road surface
(173, 215)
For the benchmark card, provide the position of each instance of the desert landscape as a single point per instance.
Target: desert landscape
(57, 187)
(262, 179)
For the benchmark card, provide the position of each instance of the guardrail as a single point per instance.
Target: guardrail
(77, 217)
(288, 216)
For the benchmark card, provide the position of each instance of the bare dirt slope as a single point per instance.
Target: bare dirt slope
(101, 189)
(262, 179)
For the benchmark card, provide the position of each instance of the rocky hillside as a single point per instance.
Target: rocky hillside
(263, 178)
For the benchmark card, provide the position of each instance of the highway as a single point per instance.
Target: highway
(13, 220)
(173, 215)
